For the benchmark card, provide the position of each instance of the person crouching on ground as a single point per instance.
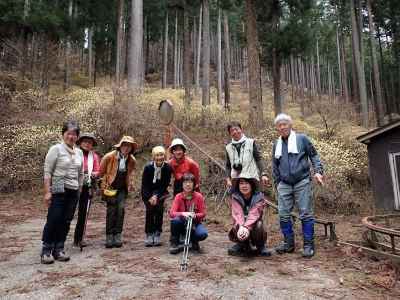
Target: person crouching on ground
(247, 206)
(116, 170)
(63, 177)
(180, 212)
(155, 181)
(181, 164)
(91, 169)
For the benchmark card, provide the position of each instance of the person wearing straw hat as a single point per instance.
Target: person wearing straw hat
(155, 181)
(291, 156)
(116, 172)
(247, 205)
(181, 164)
(91, 169)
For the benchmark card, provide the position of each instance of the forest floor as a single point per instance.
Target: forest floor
(137, 272)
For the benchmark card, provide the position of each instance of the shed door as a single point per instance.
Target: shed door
(394, 160)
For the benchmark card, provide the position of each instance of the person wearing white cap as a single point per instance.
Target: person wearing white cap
(155, 181)
(291, 156)
(181, 164)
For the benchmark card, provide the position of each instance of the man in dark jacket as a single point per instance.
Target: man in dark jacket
(292, 178)
(155, 181)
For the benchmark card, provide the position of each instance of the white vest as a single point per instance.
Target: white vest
(246, 158)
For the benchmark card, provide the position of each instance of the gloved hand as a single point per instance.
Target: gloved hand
(243, 233)
(188, 214)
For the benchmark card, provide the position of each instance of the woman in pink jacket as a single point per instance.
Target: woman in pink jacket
(247, 211)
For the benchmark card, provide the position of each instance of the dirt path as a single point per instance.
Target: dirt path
(136, 272)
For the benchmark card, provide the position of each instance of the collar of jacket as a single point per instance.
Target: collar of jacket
(257, 197)
(130, 156)
(174, 161)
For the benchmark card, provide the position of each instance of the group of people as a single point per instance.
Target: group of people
(72, 168)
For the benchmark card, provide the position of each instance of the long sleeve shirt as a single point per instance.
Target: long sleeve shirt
(180, 204)
(158, 188)
(66, 164)
(291, 168)
(257, 158)
(185, 165)
(247, 212)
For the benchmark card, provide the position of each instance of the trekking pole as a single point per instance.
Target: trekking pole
(86, 218)
(184, 260)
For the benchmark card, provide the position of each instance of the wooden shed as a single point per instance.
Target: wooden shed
(384, 164)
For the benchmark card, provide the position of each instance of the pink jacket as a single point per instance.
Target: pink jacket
(96, 163)
(255, 210)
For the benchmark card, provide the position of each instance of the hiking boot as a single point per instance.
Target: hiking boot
(308, 237)
(263, 251)
(287, 246)
(46, 259)
(148, 242)
(195, 246)
(80, 244)
(308, 249)
(157, 239)
(174, 248)
(109, 241)
(61, 256)
(236, 250)
(118, 240)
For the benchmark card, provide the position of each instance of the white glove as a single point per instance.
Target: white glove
(243, 233)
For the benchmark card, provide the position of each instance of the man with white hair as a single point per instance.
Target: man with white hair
(291, 156)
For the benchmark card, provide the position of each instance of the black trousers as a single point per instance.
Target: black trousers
(82, 209)
(116, 213)
(258, 235)
(59, 216)
(154, 216)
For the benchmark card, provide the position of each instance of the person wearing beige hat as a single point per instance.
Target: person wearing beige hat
(155, 181)
(116, 172)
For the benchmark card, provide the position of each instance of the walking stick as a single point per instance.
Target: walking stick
(86, 218)
(184, 260)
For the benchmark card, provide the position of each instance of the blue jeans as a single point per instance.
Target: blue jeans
(178, 227)
(59, 216)
(301, 194)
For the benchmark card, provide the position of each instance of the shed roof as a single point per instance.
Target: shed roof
(367, 137)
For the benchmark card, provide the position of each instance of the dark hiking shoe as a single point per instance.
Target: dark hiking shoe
(195, 246)
(149, 241)
(109, 241)
(157, 239)
(46, 259)
(118, 240)
(61, 256)
(174, 248)
(80, 244)
(263, 251)
(287, 246)
(236, 250)
(308, 250)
